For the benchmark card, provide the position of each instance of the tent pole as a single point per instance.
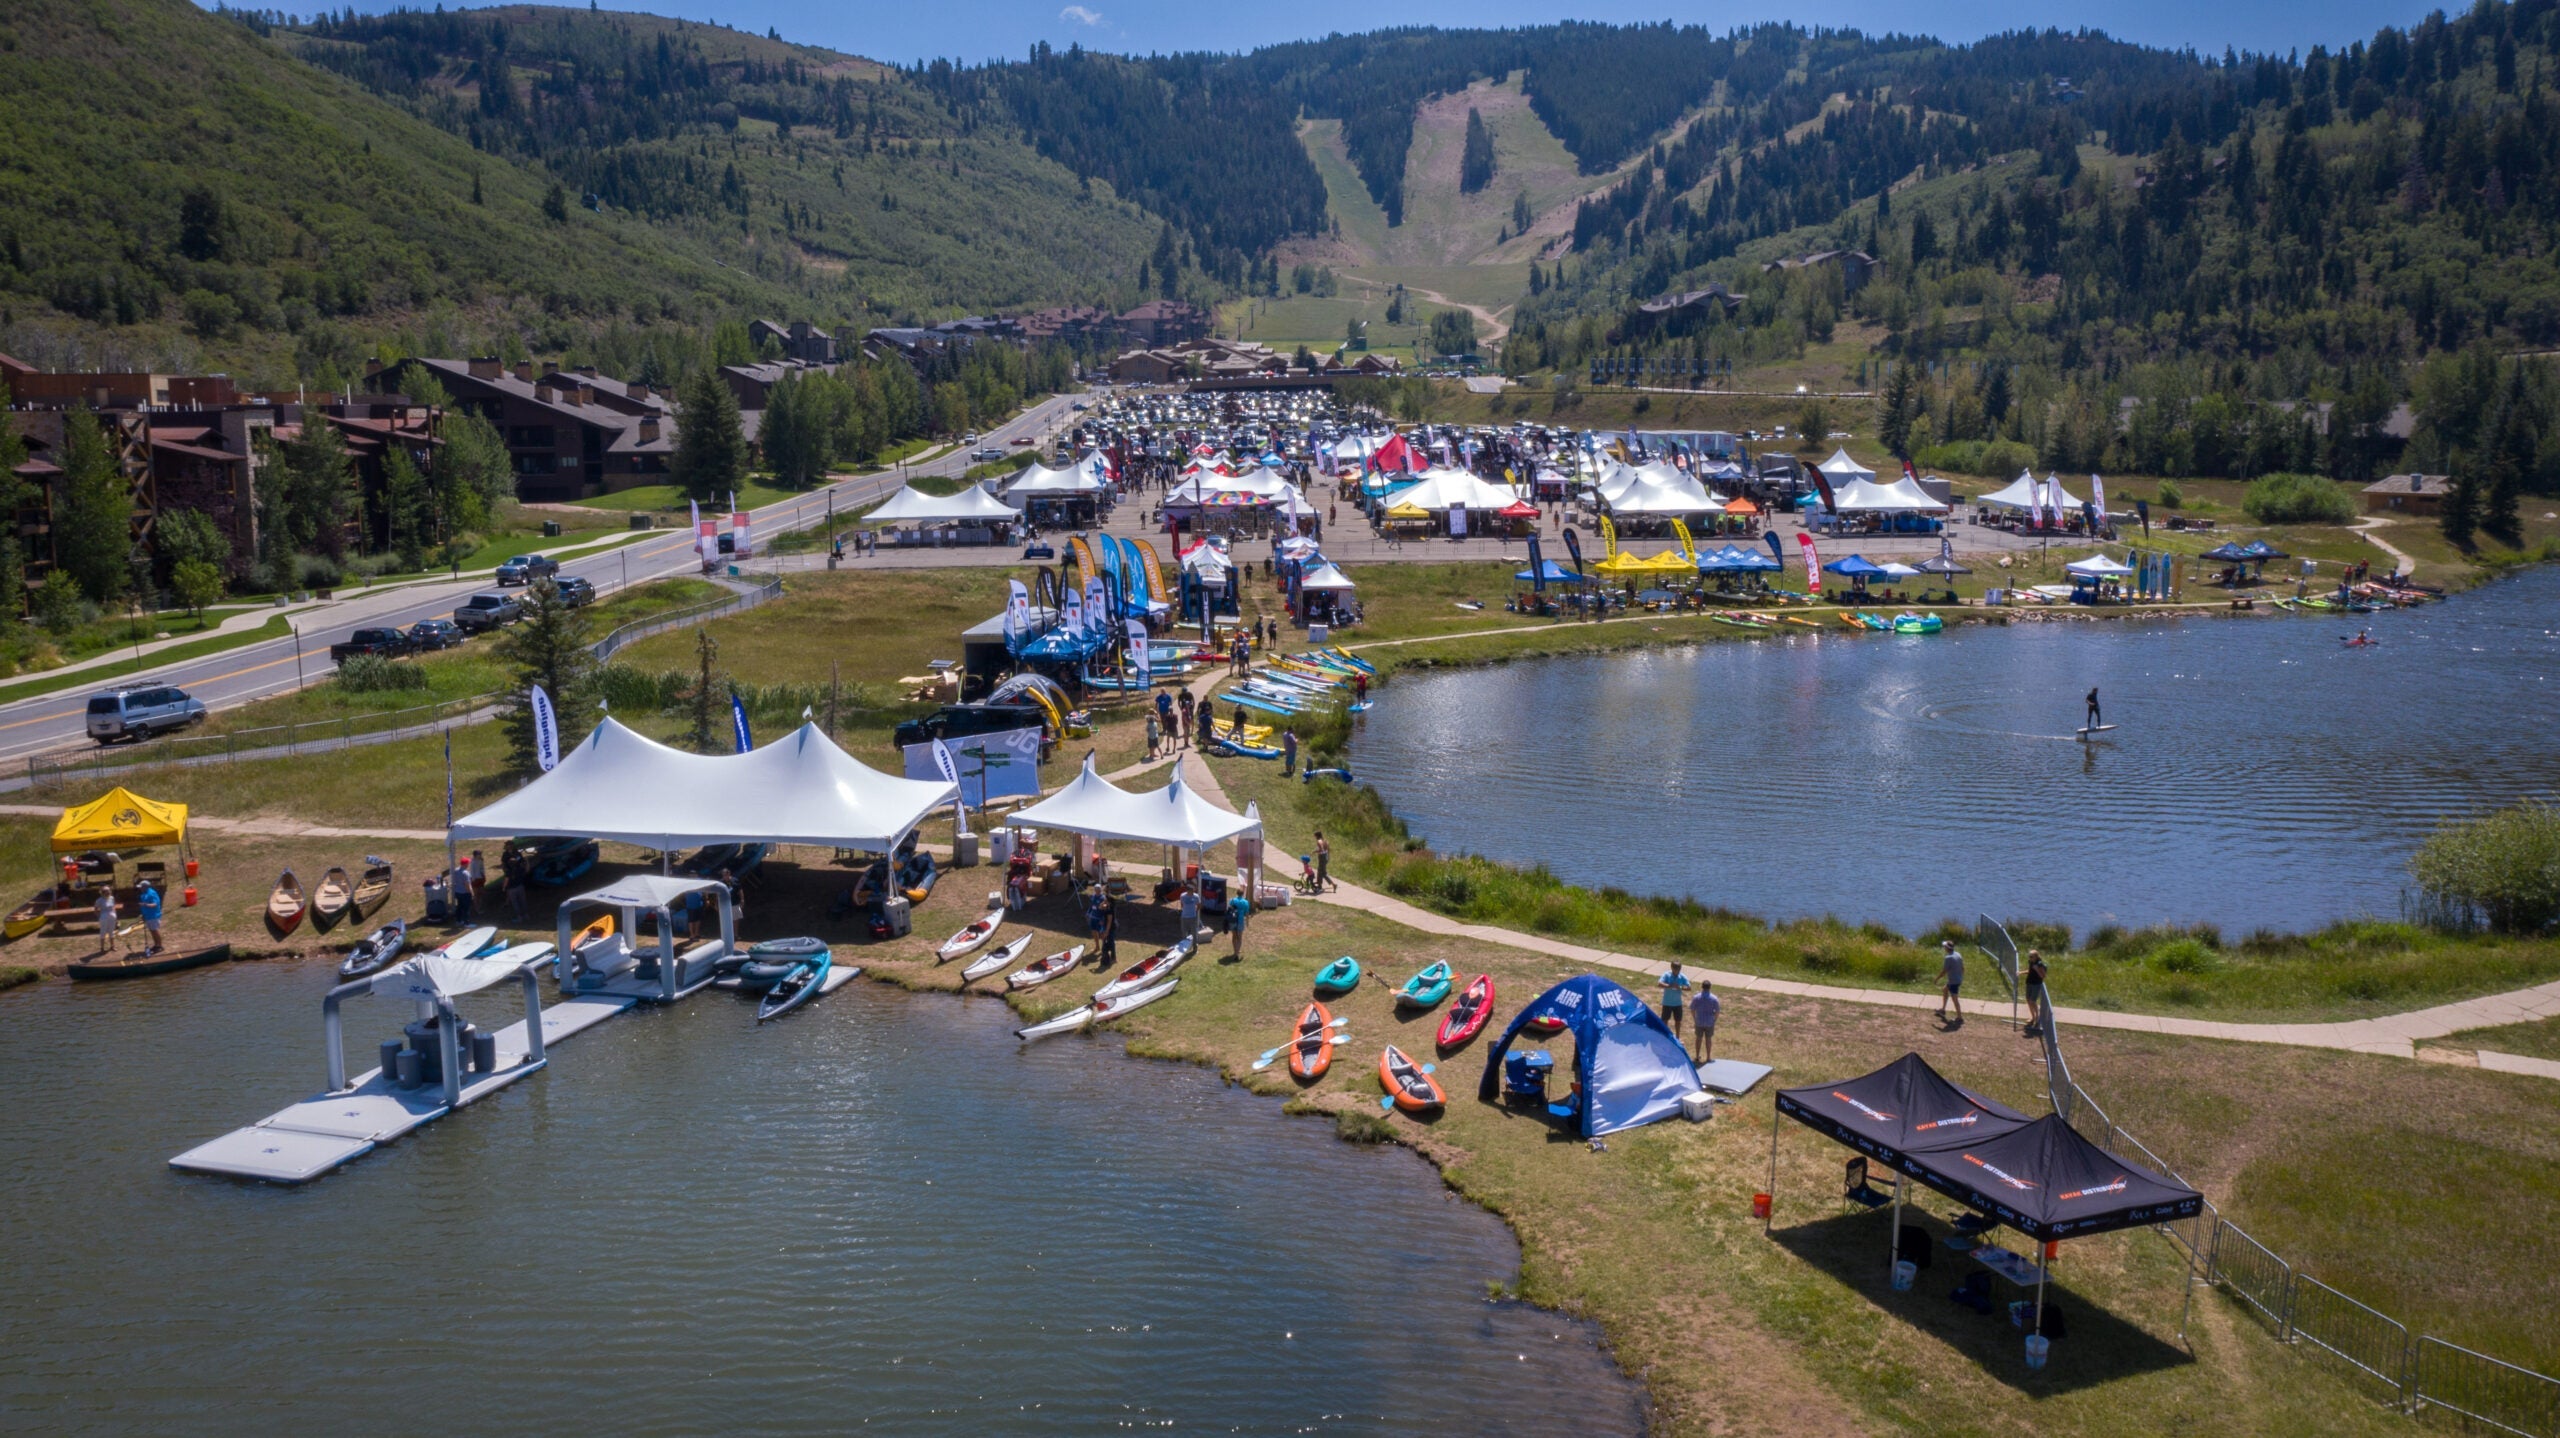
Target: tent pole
(1893, 1242)
(1772, 1215)
(2043, 1269)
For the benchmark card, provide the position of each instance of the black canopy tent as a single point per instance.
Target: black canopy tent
(2038, 1176)
(1893, 1115)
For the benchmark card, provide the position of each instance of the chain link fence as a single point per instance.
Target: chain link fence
(767, 587)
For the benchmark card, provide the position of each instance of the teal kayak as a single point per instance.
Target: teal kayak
(1339, 977)
(1426, 988)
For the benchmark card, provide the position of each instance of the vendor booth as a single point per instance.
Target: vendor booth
(2097, 579)
(1628, 1069)
(971, 516)
(1069, 498)
(1186, 825)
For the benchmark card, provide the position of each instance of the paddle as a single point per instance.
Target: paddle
(1389, 1102)
(1265, 1061)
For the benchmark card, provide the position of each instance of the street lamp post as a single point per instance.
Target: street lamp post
(297, 654)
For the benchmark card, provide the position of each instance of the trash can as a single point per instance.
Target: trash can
(642, 521)
(964, 851)
(2038, 1346)
(1905, 1272)
(551, 529)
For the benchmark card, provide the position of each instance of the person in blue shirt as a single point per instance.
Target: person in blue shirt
(1675, 995)
(148, 904)
(1239, 911)
(1703, 1013)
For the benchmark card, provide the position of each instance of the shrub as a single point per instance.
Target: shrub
(2505, 865)
(316, 571)
(1900, 969)
(2169, 497)
(2185, 956)
(58, 604)
(1991, 458)
(2298, 499)
(2028, 934)
(374, 674)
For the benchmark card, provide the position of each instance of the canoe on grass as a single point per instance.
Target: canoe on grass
(1062, 962)
(967, 940)
(143, 968)
(284, 905)
(1148, 970)
(999, 959)
(1409, 1086)
(373, 888)
(1427, 987)
(329, 901)
(375, 951)
(1466, 1017)
(1311, 1052)
(28, 917)
(1339, 977)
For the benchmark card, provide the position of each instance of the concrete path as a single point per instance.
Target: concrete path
(2370, 527)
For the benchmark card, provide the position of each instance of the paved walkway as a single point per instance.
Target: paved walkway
(2396, 1035)
(2369, 528)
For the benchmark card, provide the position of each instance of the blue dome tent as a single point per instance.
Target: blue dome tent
(1630, 1069)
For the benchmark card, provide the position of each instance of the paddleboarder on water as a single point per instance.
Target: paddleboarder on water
(2094, 725)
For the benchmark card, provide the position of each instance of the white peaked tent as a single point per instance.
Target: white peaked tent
(1653, 494)
(1039, 481)
(1326, 576)
(799, 789)
(1441, 489)
(2098, 566)
(2020, 493)
(913, 506)
(1840, 468)
(1173, 815)
(1867, 496)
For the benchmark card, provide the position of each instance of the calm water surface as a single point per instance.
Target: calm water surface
(2263, 774)
(878, 1213)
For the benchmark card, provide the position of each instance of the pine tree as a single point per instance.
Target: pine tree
(2459, 516)
(314, 491)
(1475, 161)
(710, 458)
(2508, 461)
(705, 733)
(405, 508)
(92, 522)
(1894, 415)
(550, 646)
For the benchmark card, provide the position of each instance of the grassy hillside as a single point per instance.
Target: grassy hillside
(182, 190)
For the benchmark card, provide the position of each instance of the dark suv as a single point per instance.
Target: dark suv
(574, 591)
(483, 612)
(434, 634)
(381, 643)
(526, 568)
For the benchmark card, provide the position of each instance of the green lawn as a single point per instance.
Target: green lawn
(665, 497)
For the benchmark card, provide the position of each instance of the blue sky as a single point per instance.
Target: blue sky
(984, 29)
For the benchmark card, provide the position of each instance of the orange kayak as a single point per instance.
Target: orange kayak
(1409, 1086)
(1312, 1051)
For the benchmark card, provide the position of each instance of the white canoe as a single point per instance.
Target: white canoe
(997, 960)
(1062, 962)
(969, 939)
(1098, 1012)
(1147, 970)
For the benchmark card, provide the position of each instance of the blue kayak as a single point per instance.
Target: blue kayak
(1339, 977)
(1426, 988)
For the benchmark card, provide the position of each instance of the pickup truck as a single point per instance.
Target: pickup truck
(381, 643)
(483, 612)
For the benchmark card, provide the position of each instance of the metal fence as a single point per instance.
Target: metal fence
(768, 587)
(2415, 1373)
(273, 741)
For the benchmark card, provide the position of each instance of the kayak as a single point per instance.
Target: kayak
(1062, 962)
(1426, 988)
(969, 939)
(1311, 1053)
(1548, 1024)
(1917, 624)
(1243, 751)
(1147, 970)
(805, 982)
(1339, 977)
(1409, 1085)
(1466, 1017)
(375, 951)
(1097, 1012)
(999, 959)
(600, 930)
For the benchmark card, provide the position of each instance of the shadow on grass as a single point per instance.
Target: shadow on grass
(2101, 1347)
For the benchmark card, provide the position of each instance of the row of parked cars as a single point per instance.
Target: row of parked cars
(477, 615)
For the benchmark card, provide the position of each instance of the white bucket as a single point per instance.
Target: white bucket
(1905, 1272)
(2037, 1346)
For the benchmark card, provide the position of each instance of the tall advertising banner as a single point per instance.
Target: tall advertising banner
(546, 731)
(1458, 521)
(1537, 566)
(2098, 497)
(741, 531)
(1140, 662)
(1812, 564)
(745, 737)
(705, 547)
(1017, 612)
(1097, 605)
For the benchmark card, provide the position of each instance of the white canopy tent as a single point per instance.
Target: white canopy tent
(1863, 496)
(2020, 493)
(1041, 482)
(799, 789)
(913, 506)
(1652, 494)
(2098, 566)
(1440, 490)
(1097, 808)
(1326, 577)
(1840, 468)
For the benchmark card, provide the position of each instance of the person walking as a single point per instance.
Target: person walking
(1288, 753)
(1324, 862)
(2037, 1014)
(1675, 997)
(1186, 717)
(1950, 979)
(147, 903)
(1703, 1013)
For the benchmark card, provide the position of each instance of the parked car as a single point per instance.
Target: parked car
(989, 455)
(381, 643)
(141, 712)
(483, 612)
(526, 568)
(574, 591)
(429, 634)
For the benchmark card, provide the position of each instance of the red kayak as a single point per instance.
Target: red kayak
(1412, 1090)
(1466, 1017)
(1547, 1026)
(1311, 1053)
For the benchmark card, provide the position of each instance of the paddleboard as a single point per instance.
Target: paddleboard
(2085, 732)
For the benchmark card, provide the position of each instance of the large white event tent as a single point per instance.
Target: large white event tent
(1038, 481)
(1439, 490)
(2020, 493)
(1172, 816)
(1660, 490)
(1840, 468)
(798, 789)
(971, 505)
(1902, 496)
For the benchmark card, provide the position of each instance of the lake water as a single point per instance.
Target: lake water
(2262, 773)
(881, 1212)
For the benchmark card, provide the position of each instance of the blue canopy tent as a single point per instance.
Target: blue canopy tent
(1857, 569)
(1554, 574)
(1628, 1067)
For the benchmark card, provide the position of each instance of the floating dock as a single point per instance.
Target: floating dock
(300, 1143)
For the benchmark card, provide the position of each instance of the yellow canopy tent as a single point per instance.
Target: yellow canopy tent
(1408, 511)
(121, 819)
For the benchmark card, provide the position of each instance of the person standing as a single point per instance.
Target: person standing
(511, 864)
(2037, 1014)
(1324, 862)
(1239, 913)
(1154, 733)
(1675, 997)
(459, 881)
(147, 903)
(2094, 722)
(1288, 753)
(1950, 979)
(1702, 1020)
(106, 918)
(1164, 708)
(1186, 718)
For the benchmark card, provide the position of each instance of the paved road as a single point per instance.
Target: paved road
(236, 676)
